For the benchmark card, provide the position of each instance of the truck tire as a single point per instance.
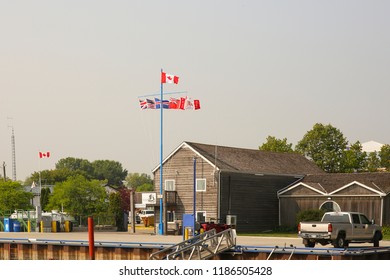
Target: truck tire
(309, 244)
(340, 242)
(376, 239)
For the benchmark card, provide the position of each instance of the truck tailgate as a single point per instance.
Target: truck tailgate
(314, 227)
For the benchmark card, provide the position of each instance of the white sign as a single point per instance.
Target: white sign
(149, 198)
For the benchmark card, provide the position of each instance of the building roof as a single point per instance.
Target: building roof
(331, 182)
(371, 146)
(252, 161)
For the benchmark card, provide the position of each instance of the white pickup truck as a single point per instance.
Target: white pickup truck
(340, 229)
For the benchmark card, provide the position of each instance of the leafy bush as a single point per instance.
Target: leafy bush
(309, 215)
(386, 232)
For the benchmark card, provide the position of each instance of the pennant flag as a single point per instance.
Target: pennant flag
(150, 104)
(164, 102)
(143, 104)
(182, 103)
(44, 155)
(170, 79)
(196, 104)
(174, 103)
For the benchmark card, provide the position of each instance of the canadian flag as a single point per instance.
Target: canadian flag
(44, 155)
(170, 79)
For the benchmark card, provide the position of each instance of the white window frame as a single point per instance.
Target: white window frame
(170, 188)
(335, 206)
(205, 185)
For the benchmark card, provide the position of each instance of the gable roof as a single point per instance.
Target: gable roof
(251, 161)
(332, 183)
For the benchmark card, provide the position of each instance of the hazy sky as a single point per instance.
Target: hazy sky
(71, 73)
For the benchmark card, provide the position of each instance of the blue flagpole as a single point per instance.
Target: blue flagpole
(161, 224)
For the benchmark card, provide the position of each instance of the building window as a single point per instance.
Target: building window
(330, 206)
(200, 185)
(171, 216)
(170, 185)
(200, 216)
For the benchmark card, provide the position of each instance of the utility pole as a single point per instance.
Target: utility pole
(4, 175)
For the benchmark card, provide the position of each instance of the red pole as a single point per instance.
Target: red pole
(91, 239)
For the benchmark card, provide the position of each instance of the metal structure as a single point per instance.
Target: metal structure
(200, 247)
(13, 151)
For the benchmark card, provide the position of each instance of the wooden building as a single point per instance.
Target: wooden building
(368, 193)
(227, 181)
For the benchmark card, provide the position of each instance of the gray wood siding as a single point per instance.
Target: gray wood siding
(290, 206)
(253, 199)
(180, 167)
(386, 211)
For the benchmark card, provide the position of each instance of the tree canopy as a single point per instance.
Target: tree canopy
(79, 196)
(140, 182)
(330, 150)
(325, 145)
(13, 196)
(384, 155)
(276, 145)
(109, 170)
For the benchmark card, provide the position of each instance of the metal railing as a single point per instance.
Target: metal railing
(200, 247)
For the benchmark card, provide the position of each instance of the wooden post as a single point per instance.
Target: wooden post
(91, 238)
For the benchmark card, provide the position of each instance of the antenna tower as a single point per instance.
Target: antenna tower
(13, 152)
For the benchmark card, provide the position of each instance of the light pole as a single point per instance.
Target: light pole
(194, 206)
(131, 206)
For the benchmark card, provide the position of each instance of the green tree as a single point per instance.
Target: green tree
(83, 166)
(13, 196)
(354, 159)
(115, 210)
(384, 155)
(45, 194)
(373, 162)
(79, 196)
(276, 145)
(50, 177)
(325, 145)
(109, 170)
(140, 182)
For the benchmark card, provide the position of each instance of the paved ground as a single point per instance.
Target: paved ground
(147, 235)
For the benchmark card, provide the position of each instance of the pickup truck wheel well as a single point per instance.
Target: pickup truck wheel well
(340, 241)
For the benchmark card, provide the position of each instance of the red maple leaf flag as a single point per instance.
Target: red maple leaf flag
(44, 155)
(196, 104)
(169, 79)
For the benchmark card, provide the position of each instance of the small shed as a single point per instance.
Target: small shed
(368, 193)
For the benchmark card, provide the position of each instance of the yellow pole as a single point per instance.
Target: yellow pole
(186, 233)
(28, 226)
(41, 223)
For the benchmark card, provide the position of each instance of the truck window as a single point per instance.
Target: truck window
(355, 219)
(364, 220)
(336, 218)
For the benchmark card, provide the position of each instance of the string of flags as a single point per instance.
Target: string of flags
(182, 103)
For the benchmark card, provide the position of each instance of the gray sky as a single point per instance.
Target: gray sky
(71, 73)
